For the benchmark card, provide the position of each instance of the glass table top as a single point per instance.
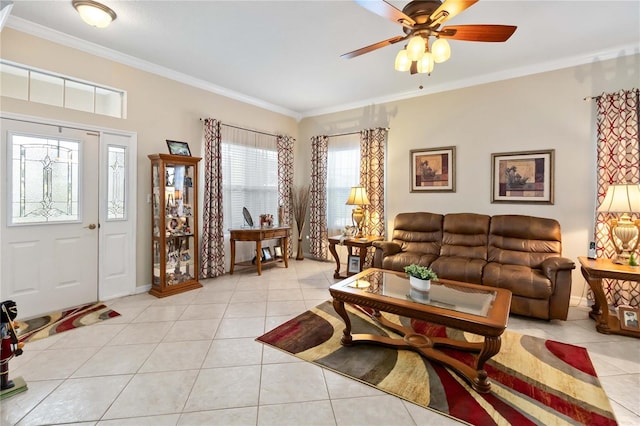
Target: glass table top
(451, 296)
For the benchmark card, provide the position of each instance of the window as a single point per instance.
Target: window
(27, 83)
(249, 175)
(43, 179)
(343, 172)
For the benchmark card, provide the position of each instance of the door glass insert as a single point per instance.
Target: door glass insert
(44, 179)
(116, 183)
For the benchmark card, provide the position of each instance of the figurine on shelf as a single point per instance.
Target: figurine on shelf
(10, 345)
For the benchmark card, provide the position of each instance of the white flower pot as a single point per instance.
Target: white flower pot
(419, 284)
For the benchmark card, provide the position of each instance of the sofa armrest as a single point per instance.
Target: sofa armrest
(558, 270)
(383, 249)
(551, 266)
(388, 247)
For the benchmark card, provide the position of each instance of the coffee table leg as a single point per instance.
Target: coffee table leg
(338, 305)
(490, 348)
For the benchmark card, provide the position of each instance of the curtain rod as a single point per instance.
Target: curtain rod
(248, 130)
(590, 98)
(354, 133)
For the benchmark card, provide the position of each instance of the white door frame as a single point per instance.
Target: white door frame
(119, 280)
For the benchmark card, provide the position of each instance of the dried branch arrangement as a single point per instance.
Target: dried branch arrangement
(300, 202)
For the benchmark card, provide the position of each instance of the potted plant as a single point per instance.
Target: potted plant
(420, 276)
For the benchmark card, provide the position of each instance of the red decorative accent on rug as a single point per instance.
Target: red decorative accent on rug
(515, 398)
(572, 356)
(58, 322)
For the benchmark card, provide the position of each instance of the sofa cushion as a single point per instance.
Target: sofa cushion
(418, 232)
(521, 280)
(465, 235)
(397, 262)
(523, 240)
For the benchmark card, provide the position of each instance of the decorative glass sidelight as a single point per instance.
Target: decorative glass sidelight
(116, 178)
(44, 179)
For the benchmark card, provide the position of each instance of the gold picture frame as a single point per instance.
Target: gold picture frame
(433, 169)
(522, 177)
(629, 318)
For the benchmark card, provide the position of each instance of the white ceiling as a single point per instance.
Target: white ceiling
(285, 55)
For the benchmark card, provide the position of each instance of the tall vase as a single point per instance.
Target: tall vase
(300, 256)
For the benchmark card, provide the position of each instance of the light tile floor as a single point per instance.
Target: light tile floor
(191, 359)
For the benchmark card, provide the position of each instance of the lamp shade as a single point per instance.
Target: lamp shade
(94, 13)
(623, 198)
(402, 61)
(358, 197)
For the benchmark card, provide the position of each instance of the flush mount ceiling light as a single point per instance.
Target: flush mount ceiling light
(94, 13)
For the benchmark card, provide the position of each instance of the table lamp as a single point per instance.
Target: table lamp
(358, 197)
(625, 199)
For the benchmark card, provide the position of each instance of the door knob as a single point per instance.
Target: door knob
(91, 226)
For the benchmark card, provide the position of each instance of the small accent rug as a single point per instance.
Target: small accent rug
(57, 322)
(533, 381)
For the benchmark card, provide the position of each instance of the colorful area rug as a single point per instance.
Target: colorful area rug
(533, 381)
(57, 322)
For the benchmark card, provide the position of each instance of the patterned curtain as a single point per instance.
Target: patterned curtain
(212, 251)
(285, 181)
(372, 148)
(618, 162)
(318, 197)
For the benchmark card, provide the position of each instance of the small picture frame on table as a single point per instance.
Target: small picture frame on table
(629, 318)
(353, 265)
(266, 254)
(178, 148)
(277, 252)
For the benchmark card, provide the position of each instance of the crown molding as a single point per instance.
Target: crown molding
(49, 34)
(592, 58)
(97, 50)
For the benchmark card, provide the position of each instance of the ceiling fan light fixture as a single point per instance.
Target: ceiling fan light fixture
(441, 50)
(425, 64)
(416, 48)
(403, 63)
(94, 13)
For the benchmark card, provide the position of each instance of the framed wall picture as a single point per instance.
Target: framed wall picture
(522, 177)
(629, 318)
(178, 148)
(353, 264)
(433, 169)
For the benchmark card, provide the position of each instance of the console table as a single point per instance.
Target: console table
(258, 235)
(594, 271)
(362, 244)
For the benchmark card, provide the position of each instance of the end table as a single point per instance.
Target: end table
(362, 244)
(594, 271)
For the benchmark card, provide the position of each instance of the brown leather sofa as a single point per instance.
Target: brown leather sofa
(520, 253)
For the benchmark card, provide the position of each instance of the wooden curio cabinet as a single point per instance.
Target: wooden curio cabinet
(174, 221)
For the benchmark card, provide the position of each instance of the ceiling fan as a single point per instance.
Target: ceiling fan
(421, 19)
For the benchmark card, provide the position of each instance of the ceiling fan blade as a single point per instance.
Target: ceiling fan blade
(490, 33)
(373, 47)
(384, 9)
(448, 10)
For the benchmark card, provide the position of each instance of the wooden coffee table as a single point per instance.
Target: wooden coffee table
(477, 309)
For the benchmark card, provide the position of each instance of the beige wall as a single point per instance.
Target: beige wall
(158, 109)
(543, 111)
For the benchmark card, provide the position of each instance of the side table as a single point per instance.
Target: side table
(362, 244)
(594, 271)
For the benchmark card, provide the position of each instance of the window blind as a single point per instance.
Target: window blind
(343, 172)
(249, 175)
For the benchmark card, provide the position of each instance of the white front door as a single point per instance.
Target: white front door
(50, 227)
